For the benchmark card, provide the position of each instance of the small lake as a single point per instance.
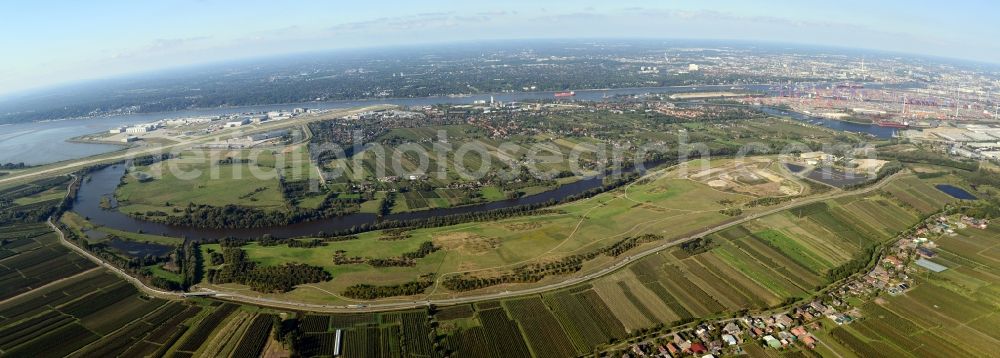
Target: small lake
(836, 177)
(795, 168)
(955, 192)
(139, 249)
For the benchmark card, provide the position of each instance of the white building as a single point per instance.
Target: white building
(692, 67)
(233, 124)
(118, 130)
(139, 129)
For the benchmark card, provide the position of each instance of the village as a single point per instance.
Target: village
(793, 329)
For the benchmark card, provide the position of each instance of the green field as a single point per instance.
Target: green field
(754, 266)
(670, 206)
(199, 179)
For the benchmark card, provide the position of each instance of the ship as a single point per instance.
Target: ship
(565, 94)
(851, 85)
(892, 124)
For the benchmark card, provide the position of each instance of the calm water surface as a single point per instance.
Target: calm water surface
(955, 192)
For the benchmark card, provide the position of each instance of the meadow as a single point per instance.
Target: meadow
(668, 204)
(199, 178)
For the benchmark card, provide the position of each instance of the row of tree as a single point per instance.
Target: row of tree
(235, 216)
(369, 292)
(403, 260)
(13, 166)
(886, 170)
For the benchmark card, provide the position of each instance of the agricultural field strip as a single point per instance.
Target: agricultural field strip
(58, 281)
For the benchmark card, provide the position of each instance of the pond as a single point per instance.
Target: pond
(955, 192)
(795, 168)
(836, 177)
(139, 249)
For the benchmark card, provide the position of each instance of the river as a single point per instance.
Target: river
(38, 143)
(879, 132)
(104, 182)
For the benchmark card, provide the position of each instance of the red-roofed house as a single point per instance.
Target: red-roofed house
(698, 348)
(673, 349)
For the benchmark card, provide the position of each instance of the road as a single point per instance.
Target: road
(77, 164)
(100, 262)
(134, 281)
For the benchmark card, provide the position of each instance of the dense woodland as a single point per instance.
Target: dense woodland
(13, 213)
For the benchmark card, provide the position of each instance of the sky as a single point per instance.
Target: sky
(47, 42)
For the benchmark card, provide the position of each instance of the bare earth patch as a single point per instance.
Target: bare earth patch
(467, 243)
(523, 226)
(717, 183)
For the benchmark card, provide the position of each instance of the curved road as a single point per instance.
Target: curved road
(607, 270)
(100, 262)
(387, 306)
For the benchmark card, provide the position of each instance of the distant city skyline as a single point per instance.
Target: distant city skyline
(50, 42)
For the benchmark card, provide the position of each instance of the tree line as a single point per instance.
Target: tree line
(14, 166)
(366, 291)
(238, 268)
(403, 260)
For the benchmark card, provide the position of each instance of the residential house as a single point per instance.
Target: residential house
(697, 348)
(729, 339)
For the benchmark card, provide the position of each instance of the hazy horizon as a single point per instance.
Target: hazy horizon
(62, 42)
(301, 55)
